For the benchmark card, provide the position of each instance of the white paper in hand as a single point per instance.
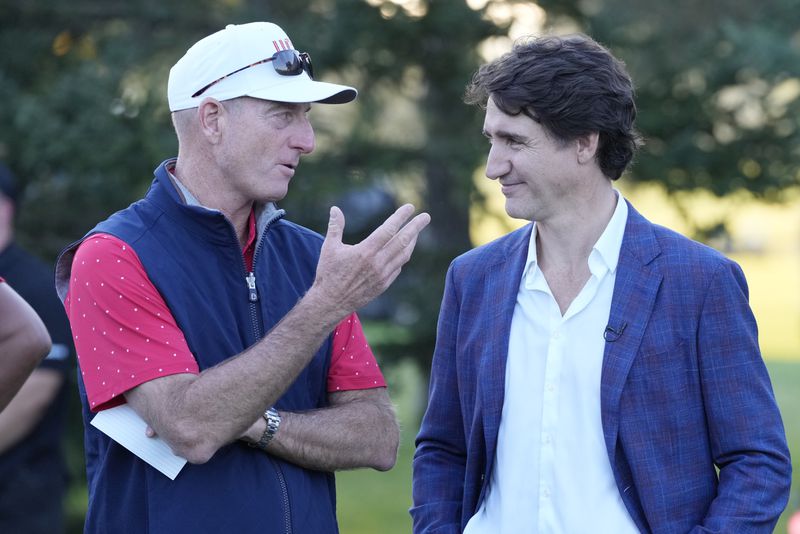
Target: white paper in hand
(124, 426)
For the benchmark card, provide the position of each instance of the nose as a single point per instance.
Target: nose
(303, 138)
(497, 165)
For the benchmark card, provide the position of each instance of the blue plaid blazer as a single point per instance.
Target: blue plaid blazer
(684, 390)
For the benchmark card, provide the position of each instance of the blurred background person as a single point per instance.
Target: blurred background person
(33, 474)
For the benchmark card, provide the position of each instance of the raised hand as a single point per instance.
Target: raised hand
(349, 276)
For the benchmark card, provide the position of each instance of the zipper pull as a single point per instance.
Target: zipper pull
(251, 286)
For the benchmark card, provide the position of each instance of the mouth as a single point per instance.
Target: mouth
(507, 187)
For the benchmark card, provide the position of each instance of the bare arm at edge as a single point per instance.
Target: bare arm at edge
(24, 341)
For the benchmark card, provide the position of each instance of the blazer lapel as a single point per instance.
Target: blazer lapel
(635, 290)
(501, 284)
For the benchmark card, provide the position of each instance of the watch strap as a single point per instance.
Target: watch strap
(273, 420)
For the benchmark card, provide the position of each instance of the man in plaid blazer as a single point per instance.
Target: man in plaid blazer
(593, 372)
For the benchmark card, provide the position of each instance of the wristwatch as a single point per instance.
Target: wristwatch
(273, 419)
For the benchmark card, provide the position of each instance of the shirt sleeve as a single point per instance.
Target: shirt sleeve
(353, 365)
(124, 333)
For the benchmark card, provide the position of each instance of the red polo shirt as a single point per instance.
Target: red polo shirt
(125, 334)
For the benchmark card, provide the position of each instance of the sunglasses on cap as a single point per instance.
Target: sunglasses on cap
(285, 63)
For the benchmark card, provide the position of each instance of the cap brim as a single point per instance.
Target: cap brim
(300, 89)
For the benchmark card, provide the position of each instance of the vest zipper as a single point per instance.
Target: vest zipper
(250, 279)
(252, 292)
(251, 285)
(287, 515)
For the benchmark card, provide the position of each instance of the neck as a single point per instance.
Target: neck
(566, 242)
(207, 188)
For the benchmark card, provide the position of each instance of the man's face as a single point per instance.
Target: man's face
(263, 143)
(537, 173)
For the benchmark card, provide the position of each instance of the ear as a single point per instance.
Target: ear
(587, 147)
(209, 116)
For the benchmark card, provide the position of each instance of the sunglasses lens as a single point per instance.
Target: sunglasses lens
(290, 63)
(287, 63)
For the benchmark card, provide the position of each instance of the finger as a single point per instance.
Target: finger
(407, 236)
(398, 251)
(386, 231)
(401, 256)
(396, 261)
(335, 225)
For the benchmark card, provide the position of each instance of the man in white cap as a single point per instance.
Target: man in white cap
(231, 331)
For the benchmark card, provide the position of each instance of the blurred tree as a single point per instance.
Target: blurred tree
(718, 89)
(85, 118)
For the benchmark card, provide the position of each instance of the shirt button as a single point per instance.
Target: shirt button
(546, 493)
(556, 335)
(550, 388)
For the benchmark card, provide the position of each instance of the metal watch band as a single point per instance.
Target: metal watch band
(273, 419)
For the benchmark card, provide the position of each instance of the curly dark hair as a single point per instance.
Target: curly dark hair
(570, 85)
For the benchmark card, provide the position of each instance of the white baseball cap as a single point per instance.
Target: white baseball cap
(256, 60)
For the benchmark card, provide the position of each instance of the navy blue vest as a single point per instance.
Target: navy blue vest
(194, 259)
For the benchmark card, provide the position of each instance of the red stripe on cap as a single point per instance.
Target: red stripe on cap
(288, 43)
(275, 44)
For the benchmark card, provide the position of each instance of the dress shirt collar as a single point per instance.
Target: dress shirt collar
(605, 252)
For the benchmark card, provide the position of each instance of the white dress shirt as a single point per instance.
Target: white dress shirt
(552, 474)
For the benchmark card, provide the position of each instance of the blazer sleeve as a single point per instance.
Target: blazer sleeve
(748, 442)
(440, 459)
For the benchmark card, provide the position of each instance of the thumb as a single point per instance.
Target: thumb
(335, 225)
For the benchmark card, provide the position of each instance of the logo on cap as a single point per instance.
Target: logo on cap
(282, 44)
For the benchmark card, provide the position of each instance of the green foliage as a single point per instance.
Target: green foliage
(718, 89)
(86, 117)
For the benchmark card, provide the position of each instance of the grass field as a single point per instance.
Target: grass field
(785, 380)
(377, 503)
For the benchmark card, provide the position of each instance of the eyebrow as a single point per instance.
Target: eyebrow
(504, 134)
